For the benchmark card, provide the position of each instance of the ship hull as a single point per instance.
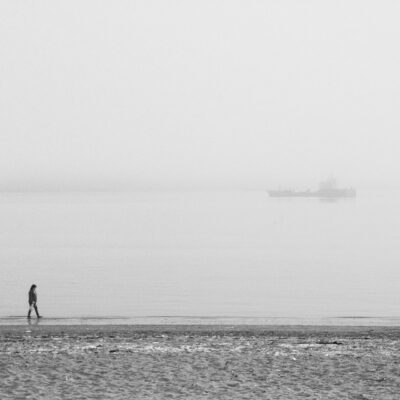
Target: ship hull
(326, 193)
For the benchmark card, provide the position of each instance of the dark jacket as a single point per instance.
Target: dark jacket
(32, 297)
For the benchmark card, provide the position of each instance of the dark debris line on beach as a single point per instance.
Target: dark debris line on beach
(199, 362)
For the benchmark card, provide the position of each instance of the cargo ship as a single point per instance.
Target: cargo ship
(327, 190)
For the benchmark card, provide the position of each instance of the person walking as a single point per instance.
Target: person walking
(33, 301)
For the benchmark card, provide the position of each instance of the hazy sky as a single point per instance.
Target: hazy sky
(188, 92)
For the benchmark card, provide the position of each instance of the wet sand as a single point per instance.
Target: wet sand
(199, 362)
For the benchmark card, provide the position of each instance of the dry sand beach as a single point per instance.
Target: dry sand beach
(199, 362)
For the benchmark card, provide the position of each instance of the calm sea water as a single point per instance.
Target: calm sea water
(223, 254)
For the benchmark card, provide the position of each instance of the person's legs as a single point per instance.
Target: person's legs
(36, 310)
(30, 310)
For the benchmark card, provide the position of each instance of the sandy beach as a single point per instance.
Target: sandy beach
(199, 362)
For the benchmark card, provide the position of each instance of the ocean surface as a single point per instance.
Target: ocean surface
(213, 257)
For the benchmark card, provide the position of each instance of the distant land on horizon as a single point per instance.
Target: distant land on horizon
(110, 186)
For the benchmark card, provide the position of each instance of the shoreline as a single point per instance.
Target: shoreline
(196, 329)
(344, 321)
